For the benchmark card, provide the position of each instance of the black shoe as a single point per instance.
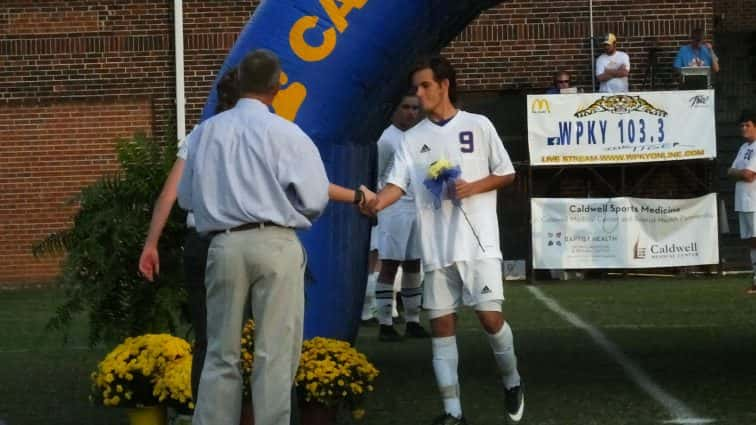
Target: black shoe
(415, 330)
(388, 333)
(447, 419)
(515, 400)
(372, 322)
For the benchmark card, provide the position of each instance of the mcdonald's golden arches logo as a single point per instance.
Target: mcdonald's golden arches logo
(540, 106)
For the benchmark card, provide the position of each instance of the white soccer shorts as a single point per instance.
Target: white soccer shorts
(399, 236)
(374, 238)
(747, 222)
(467, 283)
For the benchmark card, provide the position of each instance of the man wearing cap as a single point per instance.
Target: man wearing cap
(697, 53)
(612, 67)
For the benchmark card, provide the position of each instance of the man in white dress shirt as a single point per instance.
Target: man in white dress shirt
(251, 179)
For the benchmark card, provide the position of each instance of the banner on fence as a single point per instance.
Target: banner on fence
(586, 233)
(603, 128)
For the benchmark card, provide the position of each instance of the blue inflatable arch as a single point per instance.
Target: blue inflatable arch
(345, 64)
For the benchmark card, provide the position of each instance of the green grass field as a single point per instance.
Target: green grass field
(691, 343)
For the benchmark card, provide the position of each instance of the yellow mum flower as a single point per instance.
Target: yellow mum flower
(437, 167)
(133, 369)
(358, 414)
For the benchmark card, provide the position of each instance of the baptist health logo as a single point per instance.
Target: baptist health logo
(555, 239)
(540, 106)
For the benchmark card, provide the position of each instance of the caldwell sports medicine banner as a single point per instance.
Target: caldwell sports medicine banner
(624, 232)
(602, 128)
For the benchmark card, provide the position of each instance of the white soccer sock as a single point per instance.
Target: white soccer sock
(502, 344)
(384, 295)
(445, 360)
(753, 263)
(412, 296)
(368, 306)
(397, 289)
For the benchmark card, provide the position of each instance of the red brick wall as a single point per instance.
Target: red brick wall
(107, 67)
(74, 76)
(519, 44)
(48, 152)
(735, 15)
(210, 29)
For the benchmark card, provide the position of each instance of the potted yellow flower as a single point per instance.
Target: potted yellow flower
(127, 376)
(332, 374)
(174, 389)
(247, 358)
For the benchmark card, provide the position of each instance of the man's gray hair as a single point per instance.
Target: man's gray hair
(259, 72)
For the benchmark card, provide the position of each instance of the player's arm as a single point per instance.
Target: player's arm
(466, 189)
(397, 181)
(745, 174)
(383, 199)
(359, 196)
(149, 260)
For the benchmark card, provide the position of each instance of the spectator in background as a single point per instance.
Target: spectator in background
(399, 237)
(743, 171)
(696, 53)
(561, 81)
(612, 67)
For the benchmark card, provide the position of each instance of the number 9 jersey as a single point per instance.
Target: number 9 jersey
(471, 142)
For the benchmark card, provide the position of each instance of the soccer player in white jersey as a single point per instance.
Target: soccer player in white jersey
(461, 258)
(743, 171)
(398, 240)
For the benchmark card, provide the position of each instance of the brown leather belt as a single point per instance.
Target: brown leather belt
(247, 226)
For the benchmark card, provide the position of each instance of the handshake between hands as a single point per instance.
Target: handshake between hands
(368, 205)
(371, 202)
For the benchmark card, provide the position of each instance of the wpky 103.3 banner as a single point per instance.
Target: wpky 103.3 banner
(604, 128)
(624, 232)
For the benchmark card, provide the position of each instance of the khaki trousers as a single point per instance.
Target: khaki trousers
(271, 261)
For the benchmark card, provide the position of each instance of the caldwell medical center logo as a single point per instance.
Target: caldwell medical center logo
(664, 250)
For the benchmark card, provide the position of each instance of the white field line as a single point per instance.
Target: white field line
(680, 413)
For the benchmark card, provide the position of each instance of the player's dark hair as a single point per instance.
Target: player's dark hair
(442, 70)
(748, 115)
(228, 91)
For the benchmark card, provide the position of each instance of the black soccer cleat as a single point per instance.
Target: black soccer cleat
(515, 401)
(415, 330)
(447, 419)
(387, 333)
(372, 322)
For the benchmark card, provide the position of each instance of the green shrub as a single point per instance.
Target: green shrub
(100, 267)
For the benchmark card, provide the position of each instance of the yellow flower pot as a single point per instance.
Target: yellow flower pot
(152, 415)
(176, 417)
